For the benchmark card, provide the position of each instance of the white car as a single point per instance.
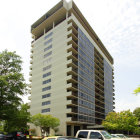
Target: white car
(122, 136)
(95, 135)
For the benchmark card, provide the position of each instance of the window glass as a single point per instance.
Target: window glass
(47, 42)
(45, 110)
(46, 88)
(95, 135)
(47, 54)
(46, 103)
(46, 81)
(47, 36)
(46, 95)
(47, 61)
(47, 67)
(106, 135)
(83, 134)
(49, 47)
(46, 74)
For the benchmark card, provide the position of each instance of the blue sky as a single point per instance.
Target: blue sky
(116, 22)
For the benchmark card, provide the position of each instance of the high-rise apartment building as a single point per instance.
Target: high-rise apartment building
(71, 70)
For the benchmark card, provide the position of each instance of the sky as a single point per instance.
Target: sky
(116, 22)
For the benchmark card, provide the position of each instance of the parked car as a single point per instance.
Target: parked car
(94, 134)
(60, 138)
(122, 136)
(2, 136)
(114, 136)
(16, 136)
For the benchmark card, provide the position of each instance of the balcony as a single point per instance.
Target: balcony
(71, 23)
(31, 56)
(72, 63)
(73, 43)
(99, 68)
(73, 30)
(72, 78)
(99, 83)
(72, 103)
(30, 73)
(29, 97)
(99, 106)
(31, 50)
(72, 71)
(31, 67)
(31, 61)
(73, 56)
(30, 85)
(99, 75)
(72, 95)
(99, 93)
(73, 36)
(99, 99)
(72, 87)
(99, 87)
(30, 79)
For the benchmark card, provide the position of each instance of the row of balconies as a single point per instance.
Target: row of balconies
(72, 79)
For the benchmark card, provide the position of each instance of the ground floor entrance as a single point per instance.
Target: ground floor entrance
(73, 128)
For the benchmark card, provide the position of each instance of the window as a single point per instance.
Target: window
(46, 88)
(47, 54)
(46, 95)
(83, 134)
(49, 47)
(47, 36)
(47, 61)
(46, 110)
(46, 81)
(95, 135)
(47, 67)
(46, 74)
(47, 42)
(46, 103)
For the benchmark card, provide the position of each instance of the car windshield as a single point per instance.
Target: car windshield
(106, 135)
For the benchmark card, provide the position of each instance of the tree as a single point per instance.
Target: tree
(12, 84)
(136, 91)
(136, 112)
(110, 122)
(45, 122)
(124, 121)
(19, 121)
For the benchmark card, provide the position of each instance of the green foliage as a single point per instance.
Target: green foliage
(124, 121)
(19, 121)
(136, 91)
(45, 121)
(1, 126)
(12, 84)
(136, 112)
(110, 122)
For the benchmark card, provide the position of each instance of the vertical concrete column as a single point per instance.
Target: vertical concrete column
(44, 31)
(53, 24)
(72, 130)
(66, 14)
